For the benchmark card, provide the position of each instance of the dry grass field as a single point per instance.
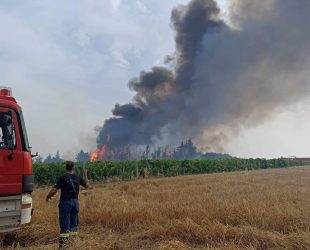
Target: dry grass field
(265, 209)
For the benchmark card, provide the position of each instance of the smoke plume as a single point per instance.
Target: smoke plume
(226, 76)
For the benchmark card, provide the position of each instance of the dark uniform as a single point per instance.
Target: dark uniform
(69, 184)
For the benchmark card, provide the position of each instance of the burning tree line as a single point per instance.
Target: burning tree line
(185, 150)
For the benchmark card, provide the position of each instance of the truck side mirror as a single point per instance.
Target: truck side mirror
(36, 155)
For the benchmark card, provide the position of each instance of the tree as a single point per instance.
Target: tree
(48, 159)
(57, 158)
(146, 153)
(157, 154)
(186, 150)
(53, 159)
(82, 156)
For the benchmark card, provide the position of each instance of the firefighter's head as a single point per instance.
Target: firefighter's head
(69, 166)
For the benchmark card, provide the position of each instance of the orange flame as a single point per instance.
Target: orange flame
(99, 154)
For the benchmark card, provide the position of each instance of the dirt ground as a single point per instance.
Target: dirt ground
(264, 209)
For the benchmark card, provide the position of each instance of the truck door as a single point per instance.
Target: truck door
(11, 153)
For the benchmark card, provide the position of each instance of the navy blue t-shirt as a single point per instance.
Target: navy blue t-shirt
(69, 184)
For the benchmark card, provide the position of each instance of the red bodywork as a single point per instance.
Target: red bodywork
(16, 169)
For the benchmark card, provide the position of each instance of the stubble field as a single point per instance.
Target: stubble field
(264, 209)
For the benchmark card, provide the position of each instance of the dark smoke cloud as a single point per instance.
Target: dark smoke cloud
(226, 76)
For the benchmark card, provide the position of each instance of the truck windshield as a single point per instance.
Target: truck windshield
(24, 132)
(7, 132)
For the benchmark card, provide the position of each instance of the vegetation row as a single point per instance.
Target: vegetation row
(101, 171)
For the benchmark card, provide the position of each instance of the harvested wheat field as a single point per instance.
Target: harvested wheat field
(265, 209)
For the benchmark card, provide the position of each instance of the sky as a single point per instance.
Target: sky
(69, 62)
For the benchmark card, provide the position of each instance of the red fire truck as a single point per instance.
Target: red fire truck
(16, 179)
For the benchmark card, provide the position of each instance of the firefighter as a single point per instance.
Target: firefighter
(69, 184)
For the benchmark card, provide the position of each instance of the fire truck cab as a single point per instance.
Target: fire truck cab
(16, 179)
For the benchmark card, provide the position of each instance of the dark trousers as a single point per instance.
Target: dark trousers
(68, 219)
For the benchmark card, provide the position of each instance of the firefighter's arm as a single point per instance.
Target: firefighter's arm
(51, 193)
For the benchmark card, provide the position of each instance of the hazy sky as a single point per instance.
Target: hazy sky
(69, 62)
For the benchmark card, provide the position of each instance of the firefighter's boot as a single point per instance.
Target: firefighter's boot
(63, 240)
